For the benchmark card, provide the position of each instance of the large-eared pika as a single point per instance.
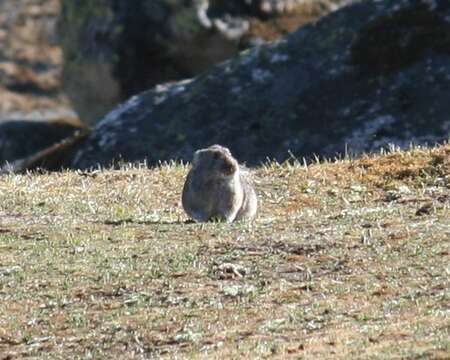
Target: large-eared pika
(217, 188)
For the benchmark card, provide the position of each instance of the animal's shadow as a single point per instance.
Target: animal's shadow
(144, 222)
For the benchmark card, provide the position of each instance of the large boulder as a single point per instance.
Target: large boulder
(370, 74)
(114, 49)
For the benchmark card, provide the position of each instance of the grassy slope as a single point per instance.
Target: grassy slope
(339, 262)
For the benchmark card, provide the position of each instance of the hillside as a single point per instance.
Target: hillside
(347, 258)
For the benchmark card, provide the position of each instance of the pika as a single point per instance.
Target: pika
(217, 188)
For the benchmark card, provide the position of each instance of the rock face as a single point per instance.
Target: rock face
(20, 139)
(30, 59)
(34, 113)
(114, 49)
(370, 74)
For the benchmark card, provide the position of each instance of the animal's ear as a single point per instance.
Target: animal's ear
(221, 148)
(226, 150)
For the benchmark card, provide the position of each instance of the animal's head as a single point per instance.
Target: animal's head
(216, 160)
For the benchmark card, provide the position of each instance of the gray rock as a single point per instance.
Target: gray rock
(114, 49)
(370, 74)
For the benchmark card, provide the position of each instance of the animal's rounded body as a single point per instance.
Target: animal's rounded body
(217, 188)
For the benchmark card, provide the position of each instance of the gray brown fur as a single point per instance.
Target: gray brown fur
(217, 188)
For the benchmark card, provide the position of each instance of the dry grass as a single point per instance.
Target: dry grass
(346, 259)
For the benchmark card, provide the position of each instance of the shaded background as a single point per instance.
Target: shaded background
(366, 76)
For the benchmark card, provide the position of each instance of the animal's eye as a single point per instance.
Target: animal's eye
(216, 156)
(227, 168)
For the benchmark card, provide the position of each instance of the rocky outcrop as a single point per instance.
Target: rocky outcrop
(114, 49)
(30, 58)
(52, 158)
(367, 75)
(34, 113)
(22, 139)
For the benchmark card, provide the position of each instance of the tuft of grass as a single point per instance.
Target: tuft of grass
(346, 259)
